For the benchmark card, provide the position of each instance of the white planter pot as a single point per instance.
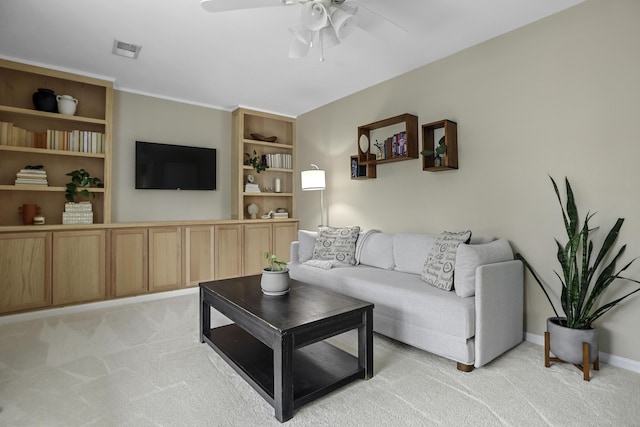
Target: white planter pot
(566, 343)
(275, 282)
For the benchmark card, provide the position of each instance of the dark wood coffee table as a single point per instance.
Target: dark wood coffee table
(276, 343)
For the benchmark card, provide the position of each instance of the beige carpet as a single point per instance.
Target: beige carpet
(142, 365)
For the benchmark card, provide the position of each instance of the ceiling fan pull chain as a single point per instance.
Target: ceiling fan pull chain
(321, 46)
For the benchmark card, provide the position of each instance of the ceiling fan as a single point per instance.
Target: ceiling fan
(322, 22)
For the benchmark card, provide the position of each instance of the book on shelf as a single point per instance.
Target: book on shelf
(32, 181)
(279, 160)
(251, 188)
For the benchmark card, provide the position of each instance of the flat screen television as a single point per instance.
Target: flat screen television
(174, 167)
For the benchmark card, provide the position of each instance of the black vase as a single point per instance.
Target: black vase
(45, 100)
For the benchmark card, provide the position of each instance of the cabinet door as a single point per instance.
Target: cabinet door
(78, 266)
(25, 271)
(283, 235)
(256, 241)
(228, 253)
(129, 262)
(198, 254)
(165, 259)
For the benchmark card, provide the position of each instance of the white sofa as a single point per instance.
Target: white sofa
(471, 330)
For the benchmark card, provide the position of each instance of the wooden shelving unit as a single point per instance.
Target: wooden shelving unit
(245, 123)
(385, 141)
(431, 134)
(358, 171)
(94, 114)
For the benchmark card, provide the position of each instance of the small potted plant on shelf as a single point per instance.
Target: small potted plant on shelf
(438, 153)
(80, 181)
(255, 162)
(275, 277)
(583, 280)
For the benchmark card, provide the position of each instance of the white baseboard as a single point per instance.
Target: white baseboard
(610, 359)
(56, 311)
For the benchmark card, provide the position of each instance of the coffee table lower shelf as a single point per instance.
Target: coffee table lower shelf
(318, 368)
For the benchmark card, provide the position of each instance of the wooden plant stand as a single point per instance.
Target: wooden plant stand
(584, 368)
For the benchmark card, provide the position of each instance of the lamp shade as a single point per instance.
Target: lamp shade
(312, 180)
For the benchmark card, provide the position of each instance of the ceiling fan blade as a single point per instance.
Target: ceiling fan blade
(378, 25)
(229, 5)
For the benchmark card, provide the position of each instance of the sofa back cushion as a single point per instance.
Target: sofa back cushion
(469, 257)
(376, 250)
(410, 251)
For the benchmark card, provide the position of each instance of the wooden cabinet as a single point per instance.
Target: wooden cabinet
(129, 262)
(79, 272)
(199, 252)
(432, 134)
(248, 127)
(283, 234)
(228, 251)
(260, 237)
(23, 140)
(25, 271)
(165, 258)
(256, 240)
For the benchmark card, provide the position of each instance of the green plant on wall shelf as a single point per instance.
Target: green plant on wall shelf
(440, 150)
(255, 162)
(80, 181)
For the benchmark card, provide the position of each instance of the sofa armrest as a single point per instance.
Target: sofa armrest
(294, 257)
(499, 309)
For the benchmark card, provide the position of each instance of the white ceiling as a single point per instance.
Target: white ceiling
(240, 58)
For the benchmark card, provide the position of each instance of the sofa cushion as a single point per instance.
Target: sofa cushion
(337, 245)
(441, 261)
(307, 241)
(469, 257)
(410, 251)
(376, 250)
(402, 297)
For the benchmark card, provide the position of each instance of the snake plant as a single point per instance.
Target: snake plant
(583, 277)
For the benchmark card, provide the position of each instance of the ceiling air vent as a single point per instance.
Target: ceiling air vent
(127, 50)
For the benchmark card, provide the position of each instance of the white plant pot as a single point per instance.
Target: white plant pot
(566, 343)
(275, 282)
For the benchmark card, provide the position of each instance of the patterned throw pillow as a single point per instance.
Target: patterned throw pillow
(441, 261)
(337, 245)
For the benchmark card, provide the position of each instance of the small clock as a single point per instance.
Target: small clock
(364, 143)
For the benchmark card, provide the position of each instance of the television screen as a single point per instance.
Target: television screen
(174, 167)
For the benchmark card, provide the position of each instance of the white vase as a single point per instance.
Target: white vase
(67, 104)
(275, 282)
(566, 343)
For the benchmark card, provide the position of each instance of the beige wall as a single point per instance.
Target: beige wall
(144, 118)
(559, 97)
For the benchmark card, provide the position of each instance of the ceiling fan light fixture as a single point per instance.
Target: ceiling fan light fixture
(314, 16)
(298, 49)
(343, 22)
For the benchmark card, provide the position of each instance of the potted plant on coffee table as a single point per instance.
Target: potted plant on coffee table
(583, 280)
(275, 277)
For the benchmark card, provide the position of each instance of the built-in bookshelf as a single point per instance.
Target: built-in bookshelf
(60, 143)
(254, 133)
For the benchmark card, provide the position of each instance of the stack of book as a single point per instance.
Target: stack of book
(251, 188)
(28, 176)
(280, 215)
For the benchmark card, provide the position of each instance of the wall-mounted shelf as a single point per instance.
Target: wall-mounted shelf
(388, 140)
(431, 135)
(358, 171)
